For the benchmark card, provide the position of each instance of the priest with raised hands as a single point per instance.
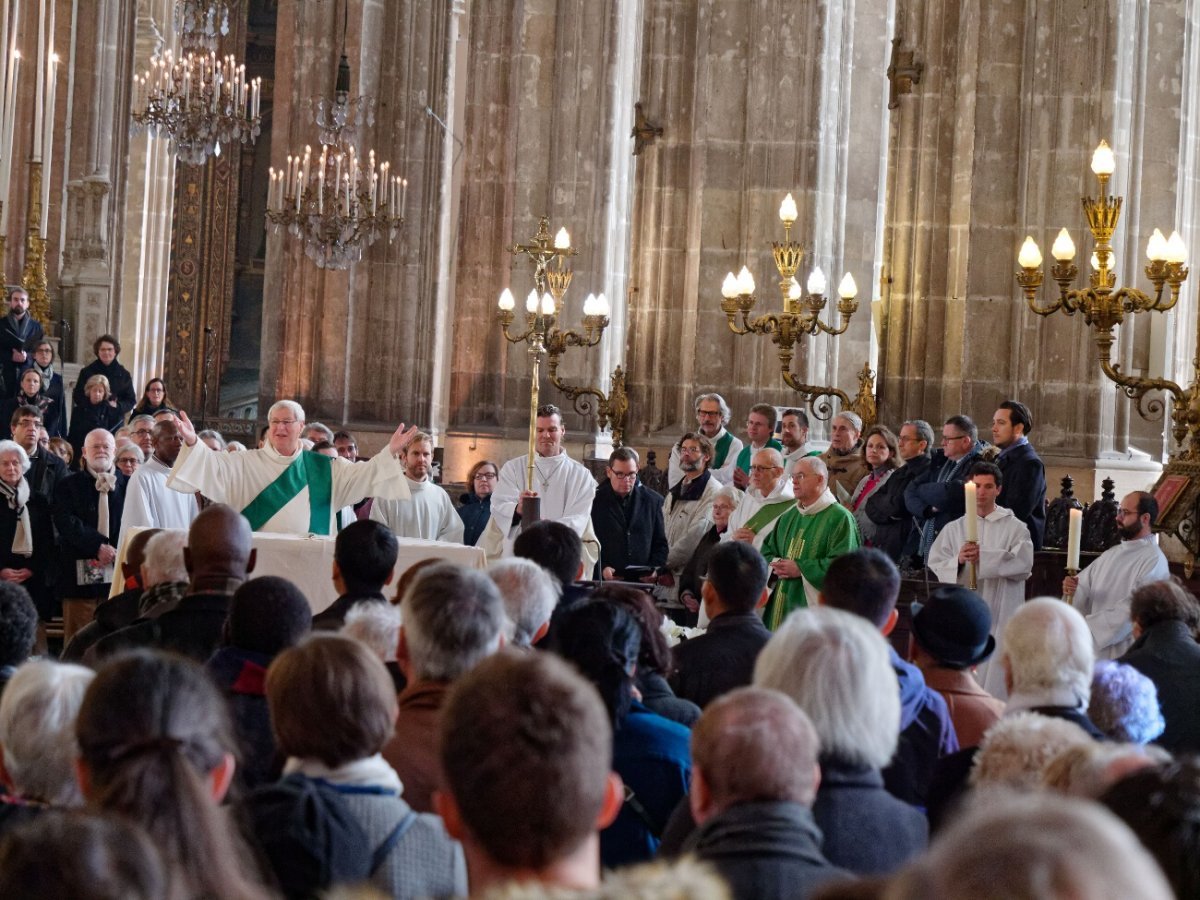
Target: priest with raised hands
(283, 487)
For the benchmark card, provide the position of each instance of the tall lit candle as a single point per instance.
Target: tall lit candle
(48, 142)
(39, 93)
(972, 513)
(1074, 536)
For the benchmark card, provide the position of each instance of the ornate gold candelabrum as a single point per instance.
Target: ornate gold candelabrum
(801, 316)
(543, 306)
(33, 279)
(1104, 306)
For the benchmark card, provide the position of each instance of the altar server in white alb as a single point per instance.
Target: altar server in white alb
(1003, 559)
(565, 487)
(149, 503)
(1103, 590)
(429, 512)
(283, 488)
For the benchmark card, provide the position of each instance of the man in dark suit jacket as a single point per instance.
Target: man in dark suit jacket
(18, 333)
(46, 470)
(895, 529)
(937, 497)
(87, 514)
(627, 518)
(1165, 619)
(1024, 475)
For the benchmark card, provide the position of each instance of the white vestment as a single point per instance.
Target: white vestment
(724, 474)
(238, 478)
(790, 459)
(1005, 564)
(429, 514)
(752, 502)
(149, 503)
(566, 489)
(1105, 587)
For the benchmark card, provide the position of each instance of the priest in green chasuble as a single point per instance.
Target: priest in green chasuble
(805, 540)
(285, 488)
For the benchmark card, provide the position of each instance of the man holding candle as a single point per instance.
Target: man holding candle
(996, 544)
(1103, 590)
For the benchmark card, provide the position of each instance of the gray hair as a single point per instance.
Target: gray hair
(853, 418)
(1018, 747)
(775, 456)
(1049, 647)
(530, 594)
(717, 399)
(235, 446)
(453, 618)
(37, 730)
(132, 450)
(290, 405)
(1021, 845)
(818, 466)
(836, 666)
(163, 562)
(209, 433)
(141, 417)
(730, 493)
(325, 430)
(375, 624)
(1124, 703)
(924, 433)
(14, 447)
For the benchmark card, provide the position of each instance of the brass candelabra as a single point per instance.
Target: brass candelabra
(544, 305)
(1103, 306)
(801, 316)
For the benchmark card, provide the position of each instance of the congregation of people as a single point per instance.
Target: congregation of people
(694, 693)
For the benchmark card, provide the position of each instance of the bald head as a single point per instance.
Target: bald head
(766, 469)
(219, 547)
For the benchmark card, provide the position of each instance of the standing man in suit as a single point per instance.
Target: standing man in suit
(1024, 475)
(19, 331)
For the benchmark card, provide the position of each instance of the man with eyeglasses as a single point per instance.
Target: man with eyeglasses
(627, 518)
(768, 497)
(760, 433)
(936, 498)
(712, 415)
(282, 487)
(1103, 591)
(149, 503)
(141, 432)
(806, 541)
(45, 468)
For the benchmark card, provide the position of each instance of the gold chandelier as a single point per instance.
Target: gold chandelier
(197, 102)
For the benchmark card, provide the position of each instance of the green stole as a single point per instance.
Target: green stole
(311, 470)
(722, 449)
(743, 460)
(767, 514)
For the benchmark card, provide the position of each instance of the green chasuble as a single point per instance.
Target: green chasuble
(813, 541)
(743, 460)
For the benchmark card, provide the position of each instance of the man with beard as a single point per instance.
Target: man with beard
(429, 512)
(149, 503)
(1103, 590)
(844, 458)
(566, 489)
(87, 515)
(19, 331)
(712, 415)
(793, 435)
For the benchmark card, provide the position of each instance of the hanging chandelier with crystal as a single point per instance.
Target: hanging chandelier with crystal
(331, 201)
(201, 23)
(198, 103)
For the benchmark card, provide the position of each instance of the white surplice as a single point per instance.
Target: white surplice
(149, 503)
(1005, 564)
(428, 514)
(566, 489)
(1105, 587)
(237, 478)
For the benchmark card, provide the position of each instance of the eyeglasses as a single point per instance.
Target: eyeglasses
(765, 468)
(624, 475)
(708, 413)
(1124, 513)
(485, 476)
(285, 422)
(953, 437)
(143, 431)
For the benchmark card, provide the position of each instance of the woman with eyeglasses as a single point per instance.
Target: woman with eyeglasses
(154, 399)
(29, 393)
(54, 416)
(475, 506)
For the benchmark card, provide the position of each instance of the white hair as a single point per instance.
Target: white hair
(235, 447)
(530, 594)
(1034, 845)
(719, 400)
(325, 430)
(37, 730)
(14, 447)
(1018, 747)
(816, 466)
(375, 624)
(134, 450)
(163, 558)
(730, 493)
(836, 667)
(290, 405)
(209, 434)
(1049, 648)
(1088, 770)
(853, 419)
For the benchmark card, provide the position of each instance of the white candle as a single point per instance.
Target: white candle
(48, 143)
(1074, 536)
(972, 513)
(40, 86)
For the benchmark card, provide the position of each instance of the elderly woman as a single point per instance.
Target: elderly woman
(475, 506)
(52, 387)
(99, 410)
(879, 452)
(26, 534)
(30, 392)
(106, 348)
(37, 724)
(129, 458)
(725, 502)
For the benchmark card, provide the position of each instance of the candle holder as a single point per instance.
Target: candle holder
(801, 317)
(34, 279)
(1069, 596)
(972, 573)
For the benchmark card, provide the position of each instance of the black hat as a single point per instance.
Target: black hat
(953, 625)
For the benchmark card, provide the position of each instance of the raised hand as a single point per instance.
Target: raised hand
(402, 438)
(186, 429)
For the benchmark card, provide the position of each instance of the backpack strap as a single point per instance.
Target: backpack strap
(389, 842)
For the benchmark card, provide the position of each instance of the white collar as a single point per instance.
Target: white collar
(823, 502)
(372, 771)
